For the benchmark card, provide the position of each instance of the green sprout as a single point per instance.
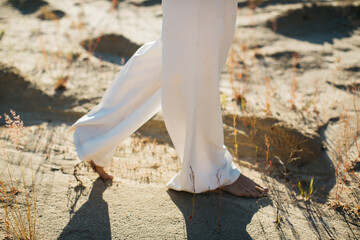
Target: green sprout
(307, 195)
(2, 33)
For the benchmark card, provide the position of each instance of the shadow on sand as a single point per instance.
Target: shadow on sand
(146, 3)
(236, 213)
(263, 4)
(27, 6)
(318, 24)
(91, 221)
(34, 105)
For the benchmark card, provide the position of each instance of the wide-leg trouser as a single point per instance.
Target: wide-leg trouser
(179, 73)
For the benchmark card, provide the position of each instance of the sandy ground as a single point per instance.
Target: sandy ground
(290, 98)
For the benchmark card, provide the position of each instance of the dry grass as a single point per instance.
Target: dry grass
(192, 179)
(344, 155)
(235, 152)
(306, 194)
(60, 83)
(218, 178)
(2, 33)
(268, 95)
(295, 57)
(353, 211)
(267, 143)
(114, 4)
(347, 147)
(49, 15)
(18, 197)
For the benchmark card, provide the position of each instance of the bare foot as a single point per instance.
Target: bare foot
(101, 171)
(245, 187)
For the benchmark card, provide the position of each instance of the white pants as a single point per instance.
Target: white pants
(179, 73)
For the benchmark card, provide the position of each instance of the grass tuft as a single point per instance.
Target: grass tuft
(2, 33)
(16, 196)
(60, 84)
(306, 195)
(192, 179)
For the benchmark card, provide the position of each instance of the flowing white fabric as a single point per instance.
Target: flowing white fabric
(179, 73)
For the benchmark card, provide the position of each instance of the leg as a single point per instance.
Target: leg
(196, 39)
(197, 36)
(131, 99)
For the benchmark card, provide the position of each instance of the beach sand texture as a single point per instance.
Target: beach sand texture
(290, 98)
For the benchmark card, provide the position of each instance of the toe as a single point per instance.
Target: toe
(258, 191)
(245, 194)
(252, 193)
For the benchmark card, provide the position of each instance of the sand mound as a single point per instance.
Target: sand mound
(18, 93)
(295, 154)
(294, 147)
(296, 150)
(155, 128)
(353, 68)
(348, 86)
(290, 149)
(347, 78)
(318, 24)
(111, 47)
(27, 6)
(10, 79)
(51, 15)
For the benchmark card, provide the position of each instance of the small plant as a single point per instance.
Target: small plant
(43, 51)
(218, 178)
(18, 200)
(2, 33)
(268, 95)
(114, 4)
(295, 57)
(278, 218)
(92, 44)
(274, 25)
(223, 101)
(231, 65)
(71, 57)
(346, 138)
(306, 195)
(192, 179)
(350, 210)
(80, 23)
(16, 127)
(253, 131)
(240, 99)
(60, 84)
(356, 89)
(255, 3)
(48, 15)
(235, 138)
(267, 143)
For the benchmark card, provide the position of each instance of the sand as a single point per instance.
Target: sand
(290, 100)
